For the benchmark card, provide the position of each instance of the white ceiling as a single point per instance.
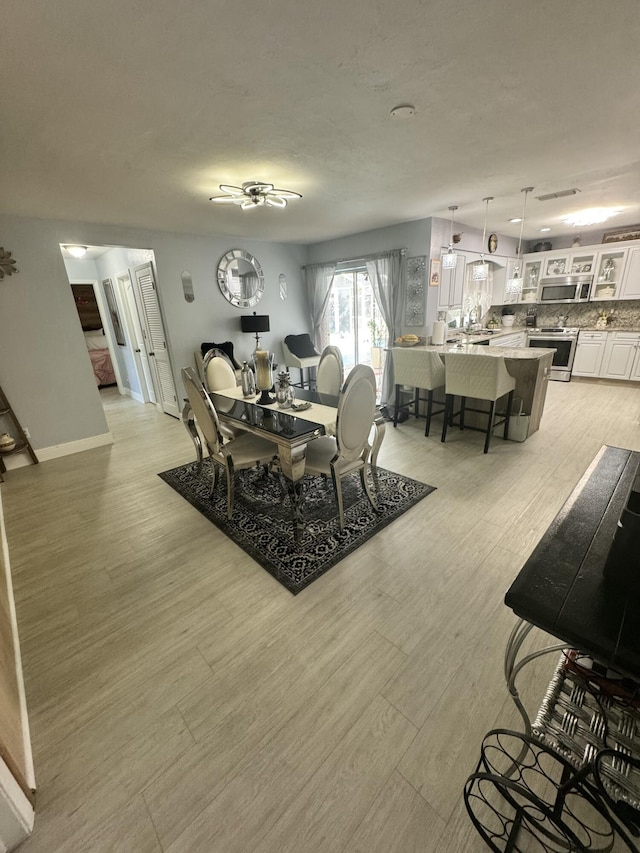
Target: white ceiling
(134, 112)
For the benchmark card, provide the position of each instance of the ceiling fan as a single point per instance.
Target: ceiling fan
(254, 194)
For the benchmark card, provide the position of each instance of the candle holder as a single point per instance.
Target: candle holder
(264, 379)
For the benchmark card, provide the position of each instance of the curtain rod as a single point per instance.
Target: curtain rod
(402, 251)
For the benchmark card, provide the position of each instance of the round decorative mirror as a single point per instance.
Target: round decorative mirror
(240, 278)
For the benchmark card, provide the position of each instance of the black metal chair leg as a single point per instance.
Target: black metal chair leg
(448, 408)
(429, 410)
(395, 414)
(508, 416)
(416, 401)
(463, 403)
(492, 412)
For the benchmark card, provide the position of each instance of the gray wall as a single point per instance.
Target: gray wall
(44, 369)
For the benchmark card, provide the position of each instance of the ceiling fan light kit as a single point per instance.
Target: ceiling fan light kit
(254, 194)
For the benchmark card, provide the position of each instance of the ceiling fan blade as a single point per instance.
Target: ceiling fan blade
(224, 199)
(287, 194)
(248, 204)
(227, 188)
(275, 201)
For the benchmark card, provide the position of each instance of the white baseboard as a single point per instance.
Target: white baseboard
(44, 454)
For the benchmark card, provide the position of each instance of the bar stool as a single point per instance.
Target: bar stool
(420, 370)
(482, 377)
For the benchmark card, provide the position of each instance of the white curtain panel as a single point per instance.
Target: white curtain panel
(387, 274)
(319, 278)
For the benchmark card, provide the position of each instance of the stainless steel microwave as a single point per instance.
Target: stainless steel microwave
(568, 288)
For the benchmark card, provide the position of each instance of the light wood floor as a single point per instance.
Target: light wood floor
(181, 700)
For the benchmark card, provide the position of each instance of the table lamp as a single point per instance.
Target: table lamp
(255, 323)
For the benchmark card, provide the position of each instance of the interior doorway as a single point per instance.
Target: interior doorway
(131, 320)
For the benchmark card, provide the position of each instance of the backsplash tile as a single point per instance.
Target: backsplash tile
(623, 314)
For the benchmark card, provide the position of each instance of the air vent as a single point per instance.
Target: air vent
(559, 194)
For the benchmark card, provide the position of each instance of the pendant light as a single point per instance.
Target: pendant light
(514, 285)
(450, 260)
(481, 269)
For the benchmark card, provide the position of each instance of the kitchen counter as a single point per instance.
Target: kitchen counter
(456, 335)
(530, 366)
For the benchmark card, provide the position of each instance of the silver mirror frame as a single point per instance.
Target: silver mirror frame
(226, 264)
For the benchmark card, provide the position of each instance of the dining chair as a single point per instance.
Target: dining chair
(482, 378)
(233, 455)
(419, 370)
(349, 450)
(330, 373)
(219, 374)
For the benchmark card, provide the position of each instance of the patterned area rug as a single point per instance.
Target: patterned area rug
(262, 522)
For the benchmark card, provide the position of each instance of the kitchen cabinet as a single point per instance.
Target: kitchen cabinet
(609, 273)
(589, 353)
(531, 278)
(504, 292)
(630, 287)
(621, 357)
(555, 263)
(451, 285)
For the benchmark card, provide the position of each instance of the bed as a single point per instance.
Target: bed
(100, 358)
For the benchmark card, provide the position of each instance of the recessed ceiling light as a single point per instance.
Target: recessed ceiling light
(403, 111)
(515, 219)
(592, 216)
(545, 229)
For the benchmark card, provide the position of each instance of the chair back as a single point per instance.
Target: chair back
(356, 410)
(484, 377)
(203, 410)
(330, 374)
(418, 369)
(218, 371)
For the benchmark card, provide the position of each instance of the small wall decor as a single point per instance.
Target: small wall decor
(187, 285)
(415, 302)
(631, 232)
(7, 263)
(110, 296)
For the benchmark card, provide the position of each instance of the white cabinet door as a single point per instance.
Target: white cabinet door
(619, 355)
(503, 292)
(589, 354)
(635, 367)
(610, 266)
(517, 339)
(451, 284)
(630, 287)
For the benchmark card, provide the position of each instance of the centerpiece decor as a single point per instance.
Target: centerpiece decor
(285, 395)
(264, 380)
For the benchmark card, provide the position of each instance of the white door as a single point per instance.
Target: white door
(155, 339)
(134, 329)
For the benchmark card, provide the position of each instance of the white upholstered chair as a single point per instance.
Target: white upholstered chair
(349, 450)
(232, 455)
(482, 378)
(219, 374)
(419, 370)
(299, 351)
(330, 373)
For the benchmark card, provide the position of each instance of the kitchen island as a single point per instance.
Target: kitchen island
(529, 366)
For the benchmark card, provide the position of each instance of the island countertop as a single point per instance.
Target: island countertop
(513, 353)
(530, 366)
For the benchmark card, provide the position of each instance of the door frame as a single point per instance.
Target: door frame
(103, 310)
(133, 327)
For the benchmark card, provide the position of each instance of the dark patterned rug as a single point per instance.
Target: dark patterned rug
(262, 522)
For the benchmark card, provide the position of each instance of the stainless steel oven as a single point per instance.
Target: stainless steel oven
(564, 341)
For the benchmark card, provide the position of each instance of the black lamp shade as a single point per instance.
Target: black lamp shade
(255, 323)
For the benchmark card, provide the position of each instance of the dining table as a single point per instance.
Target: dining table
(291, 430)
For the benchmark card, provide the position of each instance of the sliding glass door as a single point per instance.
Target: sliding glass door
(354, 321)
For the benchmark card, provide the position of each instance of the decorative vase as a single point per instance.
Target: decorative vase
(264, 380)
(285, 395)
(248, 381)
(7, 442)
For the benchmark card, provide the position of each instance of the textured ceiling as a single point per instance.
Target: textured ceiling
(132, 112)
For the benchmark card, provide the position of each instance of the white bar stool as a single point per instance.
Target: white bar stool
(419, 370)
(482, 377)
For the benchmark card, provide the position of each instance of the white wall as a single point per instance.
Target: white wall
(43, 365)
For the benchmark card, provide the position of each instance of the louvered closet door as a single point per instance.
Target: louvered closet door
(156, 340)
